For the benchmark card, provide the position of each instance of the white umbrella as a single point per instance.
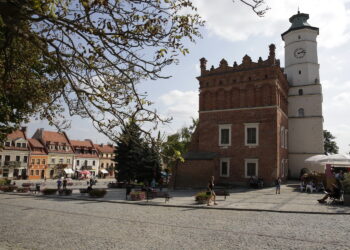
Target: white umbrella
(329, 159)
(316, 159)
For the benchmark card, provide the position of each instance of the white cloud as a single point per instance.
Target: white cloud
(181, 106)
(236, 22)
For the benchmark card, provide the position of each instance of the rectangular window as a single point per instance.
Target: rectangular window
(18, 145)
(24, 145)
(225, 167)
(77, 162)
(282, 137)
(37, 161)
(8, 144)
(93, 163)
(25, 159)
(7, 158)
(33, 161)
(31, 172)
(36, 172)
(225, 135)
(251, 167)
(18, 158)
(61, 160)
(68, 161)
(286, 138)
(5, 173)
(251, 134)
(53, 160)
(43, 161)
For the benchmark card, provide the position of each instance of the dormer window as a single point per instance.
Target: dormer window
(18, 145)
(8, 144)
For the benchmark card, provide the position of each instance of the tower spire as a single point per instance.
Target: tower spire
(298, 10)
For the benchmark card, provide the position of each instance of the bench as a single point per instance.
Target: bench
(221, 192)
(165, 195)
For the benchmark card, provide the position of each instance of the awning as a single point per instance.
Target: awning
(68, 171)
(104, 171)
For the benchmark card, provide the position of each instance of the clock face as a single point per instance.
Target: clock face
(299, 53)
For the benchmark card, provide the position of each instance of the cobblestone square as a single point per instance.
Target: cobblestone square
(37, 222)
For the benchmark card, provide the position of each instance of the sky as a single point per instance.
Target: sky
(233, 30)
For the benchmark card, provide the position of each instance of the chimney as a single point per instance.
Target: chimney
(24, 129)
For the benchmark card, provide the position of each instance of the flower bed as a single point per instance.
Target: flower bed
(49, 191)
(22, 190)
(98, 193)
(8, 188)
(137, 195)
(65, 191)
(202, 197)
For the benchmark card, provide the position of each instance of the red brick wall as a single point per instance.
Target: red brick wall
(246, 93)
(193, 173)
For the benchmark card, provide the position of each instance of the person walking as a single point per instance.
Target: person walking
(278, 182)
(64, 183)
(59, 183)
(211, 190)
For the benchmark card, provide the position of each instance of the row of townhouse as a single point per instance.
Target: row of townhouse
(52, 154)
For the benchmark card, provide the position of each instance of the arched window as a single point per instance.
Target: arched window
(301, 112)
(301, 92)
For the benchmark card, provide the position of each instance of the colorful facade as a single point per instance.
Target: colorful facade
(38, 160)
(86, 157)
(60, 152)
(14, 156)
(107, 163)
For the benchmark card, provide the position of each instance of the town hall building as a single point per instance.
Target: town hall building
(257, 119)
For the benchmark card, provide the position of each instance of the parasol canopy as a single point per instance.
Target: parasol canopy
(329, 159)
(85, 172)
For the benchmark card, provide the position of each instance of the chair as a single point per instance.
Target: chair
(311, 188)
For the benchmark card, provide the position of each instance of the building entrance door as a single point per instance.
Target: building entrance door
(24, 174)
(15, 173)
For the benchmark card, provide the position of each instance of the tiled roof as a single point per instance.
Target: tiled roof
(86, 156)
(105, 148)
(54, 137)
(35, 143)
(76, 143)
(16, 134)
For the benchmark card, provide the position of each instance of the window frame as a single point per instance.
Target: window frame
(251, 125)
(227, 160)
(251, 160)
(221, 127)
(282, 136)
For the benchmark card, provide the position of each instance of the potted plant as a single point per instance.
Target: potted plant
(65, 191)
(98, 193)
(346, 188)
(202, 197)
(137, 195)
(49, 191)
(83, 190)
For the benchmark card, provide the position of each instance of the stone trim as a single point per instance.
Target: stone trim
(237, 109)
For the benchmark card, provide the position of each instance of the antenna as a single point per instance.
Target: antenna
(298, 10)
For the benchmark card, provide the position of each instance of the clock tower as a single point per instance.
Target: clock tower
(305, 120)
